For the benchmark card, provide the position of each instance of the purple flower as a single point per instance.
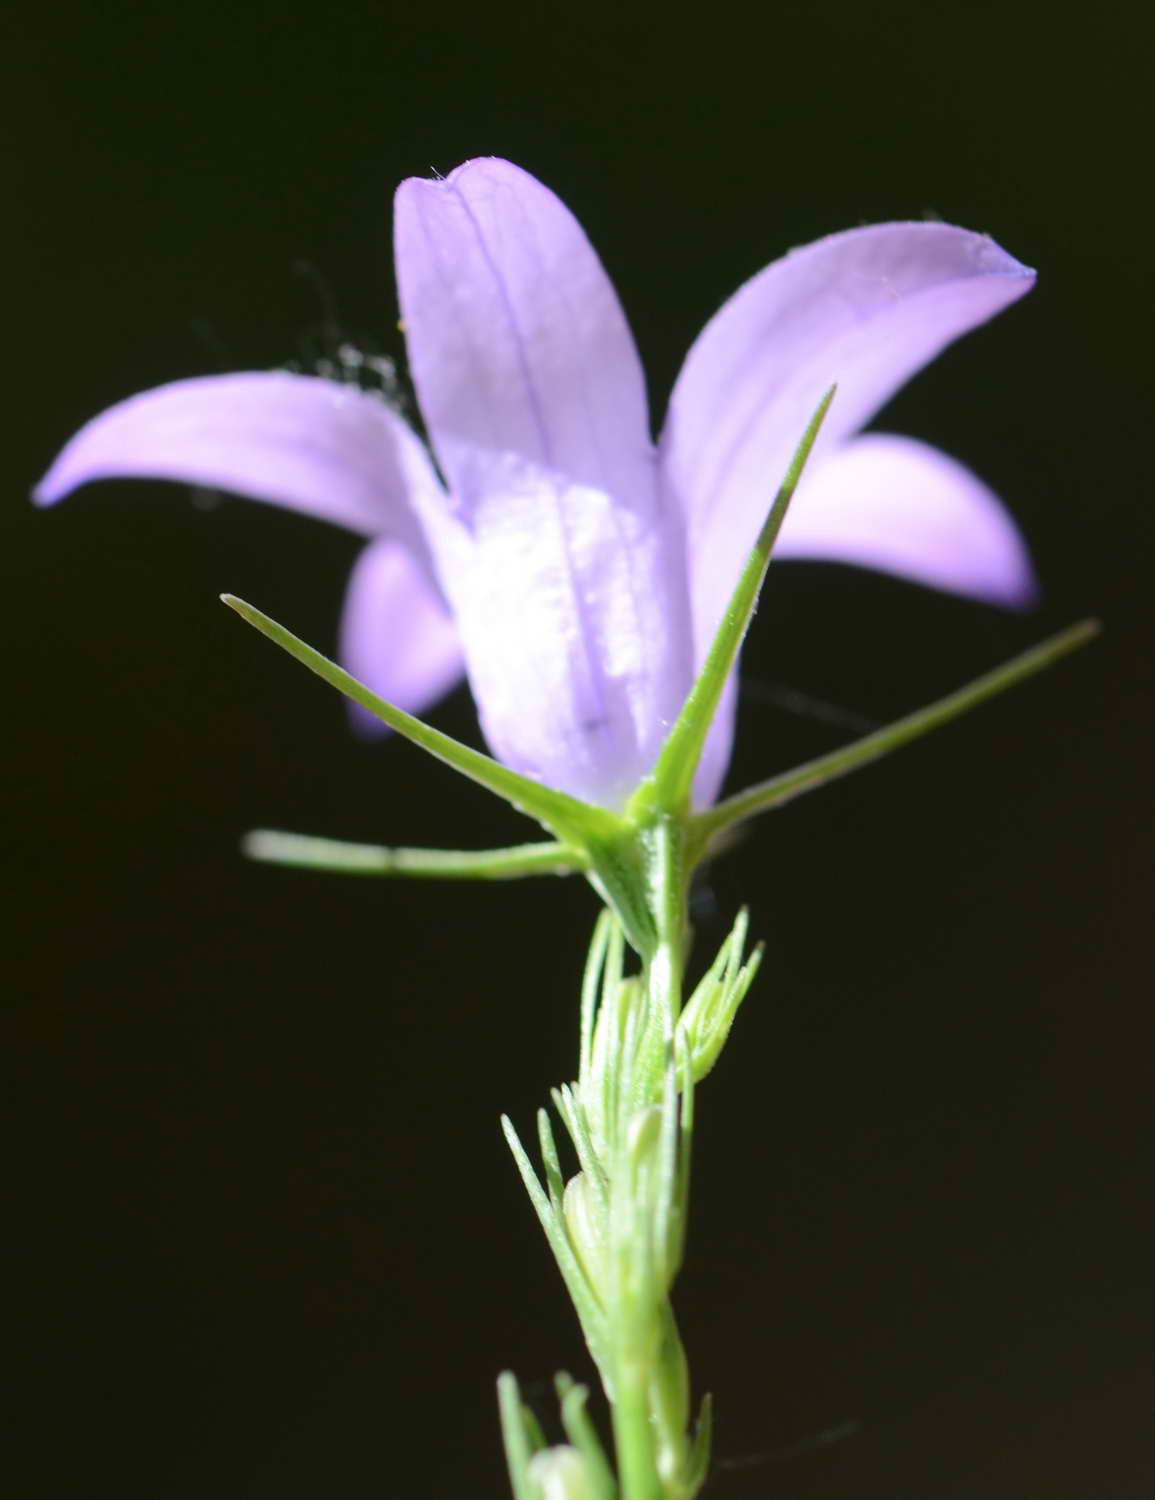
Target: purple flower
(574, 570)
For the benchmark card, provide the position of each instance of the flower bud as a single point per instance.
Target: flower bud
(585, 1221)
(643, 1135)
(652, 1195)
(599, 1088)
(561, 1474)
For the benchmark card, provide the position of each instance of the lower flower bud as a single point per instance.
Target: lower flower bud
(561, 1474)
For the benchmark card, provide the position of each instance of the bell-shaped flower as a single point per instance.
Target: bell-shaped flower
(573, 568)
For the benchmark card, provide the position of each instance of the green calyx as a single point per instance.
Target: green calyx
(629, 857)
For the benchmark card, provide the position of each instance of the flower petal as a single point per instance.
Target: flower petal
(568, 582)
(517, 341)
(396, 635)
(329, 450)
(572, 640)
(903, 507)
(866, 308)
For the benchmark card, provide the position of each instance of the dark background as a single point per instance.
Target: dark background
(267, 1241)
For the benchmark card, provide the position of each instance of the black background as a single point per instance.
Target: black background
(267, 1241)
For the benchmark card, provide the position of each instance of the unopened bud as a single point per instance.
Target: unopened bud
(652, 1194)
(585, 1220)
(561, 1474)
(599, 1087)
(643, 1135)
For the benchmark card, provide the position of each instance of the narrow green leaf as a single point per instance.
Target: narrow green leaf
(686, 1073)
(304, 852)
(705, 1022)
(554, 1180)
(566, 816)
(668, 787)
(533, 1430)
(591, 986)
(720, 973)
(569, 1107)
(581, 1293)
(667, 1228)
(816, 773)
(700, 1457)
(515, 1437)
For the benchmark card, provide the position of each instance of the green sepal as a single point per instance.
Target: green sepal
(593, 839)
(815, 773)
(573, 821)
(619, 870)
(668, 786)
(304, 852)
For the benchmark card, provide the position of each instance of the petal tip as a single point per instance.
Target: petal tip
(493, 166)
(1010, 580)
(1022, 593)
(366, 726)
(68, 471)
(49, 490)
(438, 182)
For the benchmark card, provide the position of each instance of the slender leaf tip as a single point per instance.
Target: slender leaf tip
(668, 786)
(572, 820)
(783, 788)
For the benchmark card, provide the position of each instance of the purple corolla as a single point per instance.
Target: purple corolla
(574, 570)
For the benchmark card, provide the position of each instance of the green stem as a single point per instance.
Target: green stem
(633, 1431)
(649, 1365)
